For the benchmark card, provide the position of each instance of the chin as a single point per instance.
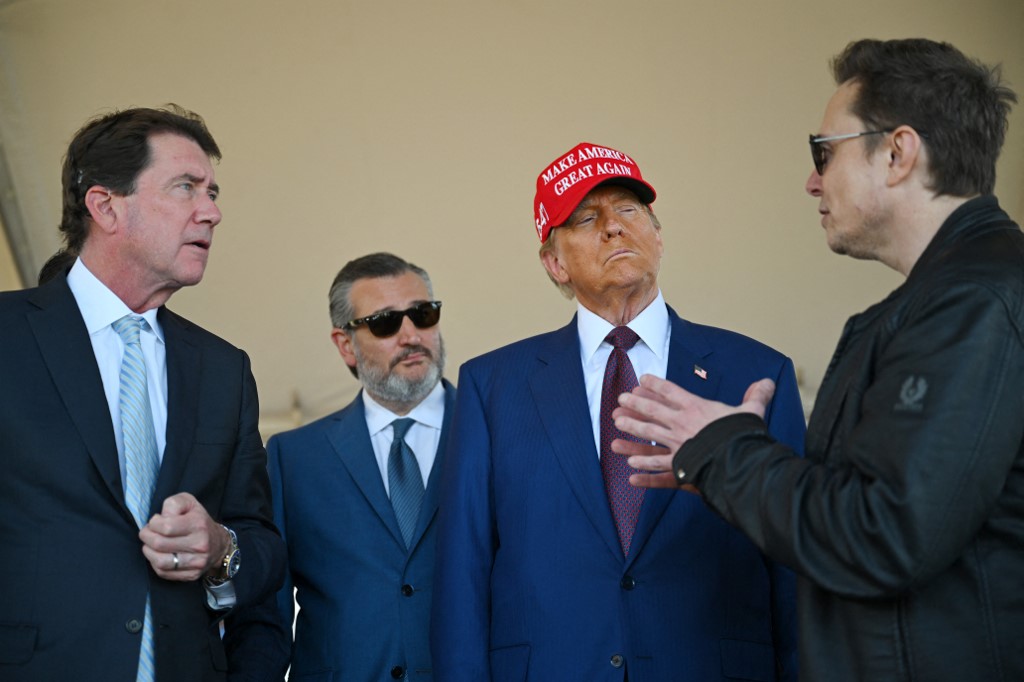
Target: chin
(837, 248)
(192, 277)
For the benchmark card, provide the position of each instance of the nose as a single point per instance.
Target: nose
(408, 333)
(208, 212)
(613, 225)
(813, 184)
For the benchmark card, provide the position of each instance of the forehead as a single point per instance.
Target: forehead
(838, 112)
(607, 193)
(175, 155)
(373, 294)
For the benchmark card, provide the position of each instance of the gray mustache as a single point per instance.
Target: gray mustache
(409, 351)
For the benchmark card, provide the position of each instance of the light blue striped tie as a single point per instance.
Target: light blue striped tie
(404, 480)
(141, 462)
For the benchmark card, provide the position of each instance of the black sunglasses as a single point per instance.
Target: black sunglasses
(819, 152)
(387, 323)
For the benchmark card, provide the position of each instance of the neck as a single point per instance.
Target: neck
(620, 308)
(402, 402)
(124, 282)
(917, 223)
(401, 409)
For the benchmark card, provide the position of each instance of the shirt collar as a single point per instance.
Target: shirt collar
(430, 411)
(99, 305)
(651, 325)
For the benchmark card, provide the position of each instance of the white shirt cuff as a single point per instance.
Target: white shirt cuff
(220, 597)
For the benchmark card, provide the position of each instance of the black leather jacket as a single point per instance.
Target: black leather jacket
(905, 520)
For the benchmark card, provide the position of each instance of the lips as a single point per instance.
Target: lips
(411, 351)
(203, 244)
(618, 252)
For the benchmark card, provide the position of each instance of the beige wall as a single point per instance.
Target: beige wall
(8, 270)
(419, 128)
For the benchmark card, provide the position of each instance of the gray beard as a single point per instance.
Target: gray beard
(387, 387)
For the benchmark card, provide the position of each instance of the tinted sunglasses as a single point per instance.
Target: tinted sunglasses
(819, 153)
(387, 323)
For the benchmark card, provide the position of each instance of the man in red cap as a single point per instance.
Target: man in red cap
(550, 565)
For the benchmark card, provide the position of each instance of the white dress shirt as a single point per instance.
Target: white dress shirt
(100, 308)
(422, 437)
(648, 356)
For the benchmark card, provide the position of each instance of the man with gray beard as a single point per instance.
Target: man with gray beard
(355, 496)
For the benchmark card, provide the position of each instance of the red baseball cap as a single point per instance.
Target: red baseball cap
(563, 184)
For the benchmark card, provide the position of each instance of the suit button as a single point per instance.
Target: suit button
(627, 583)
(133, 626)
(398, 672)
(407, 590)
(617, 661)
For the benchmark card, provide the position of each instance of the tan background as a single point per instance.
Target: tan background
(420, 127)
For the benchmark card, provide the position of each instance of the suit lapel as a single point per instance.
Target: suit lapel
(430, 496)
(689, 353)
(184, 370)
(67, 351)
(557, 386)
(351, 442)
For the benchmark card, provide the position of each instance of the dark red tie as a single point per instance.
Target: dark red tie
(619, 377)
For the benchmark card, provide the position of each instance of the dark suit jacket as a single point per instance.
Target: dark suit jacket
(531, 583)
(73, 579)
(364, 600)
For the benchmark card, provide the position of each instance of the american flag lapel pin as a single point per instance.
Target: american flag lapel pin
(701, 372)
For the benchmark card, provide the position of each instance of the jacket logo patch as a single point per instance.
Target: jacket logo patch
(912, 395)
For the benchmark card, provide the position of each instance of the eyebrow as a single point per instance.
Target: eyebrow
(587, 203)
(391, 308)
(198, 180)
(617, 194)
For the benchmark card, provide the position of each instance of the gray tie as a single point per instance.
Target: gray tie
(141, 461)
(404, 480)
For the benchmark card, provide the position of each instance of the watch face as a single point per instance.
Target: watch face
(234, 562)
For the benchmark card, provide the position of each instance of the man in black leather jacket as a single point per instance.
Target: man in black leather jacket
(905, 520)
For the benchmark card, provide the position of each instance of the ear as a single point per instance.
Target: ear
(549, 259)
(343, 341)
(100, 203)
(905, 154)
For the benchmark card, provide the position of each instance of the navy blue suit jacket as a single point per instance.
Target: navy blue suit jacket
(531, 582)
(73, 579)
(364, 600)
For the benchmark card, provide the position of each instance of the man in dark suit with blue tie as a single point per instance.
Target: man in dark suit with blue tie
(350, 499)
(550, 566)
(134, 504)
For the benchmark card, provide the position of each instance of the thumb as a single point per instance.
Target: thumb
(178, 505)
(758, 395)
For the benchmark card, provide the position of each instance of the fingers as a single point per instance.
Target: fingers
(179, 504)
(649, 431)
(631, 447)
(180, 515)
(185, 529)
(664, 391)
(176, 566)
(651, 463)
(662, 480)
(647, 413)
